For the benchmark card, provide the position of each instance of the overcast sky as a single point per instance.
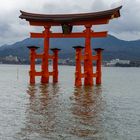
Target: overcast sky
(13, 29)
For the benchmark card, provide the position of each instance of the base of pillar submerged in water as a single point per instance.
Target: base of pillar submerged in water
(44, 76)
(82, 57)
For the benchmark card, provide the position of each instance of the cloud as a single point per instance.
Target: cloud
(4, 29)
(127, 26)
(13, 29)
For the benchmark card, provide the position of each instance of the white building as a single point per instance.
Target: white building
(113, 62)
(11, 58)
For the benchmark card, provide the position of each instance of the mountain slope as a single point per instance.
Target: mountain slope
(114, 48)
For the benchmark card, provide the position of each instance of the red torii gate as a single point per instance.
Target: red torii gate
(67, 21)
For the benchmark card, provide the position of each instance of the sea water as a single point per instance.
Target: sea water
(63, 112)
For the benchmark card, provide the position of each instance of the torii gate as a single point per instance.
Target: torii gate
(67, 21)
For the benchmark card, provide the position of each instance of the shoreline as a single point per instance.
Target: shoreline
(74, 65)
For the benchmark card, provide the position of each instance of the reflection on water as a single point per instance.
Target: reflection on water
(50, 116)
(86, 110)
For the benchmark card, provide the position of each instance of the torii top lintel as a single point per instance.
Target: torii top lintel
(94, 18)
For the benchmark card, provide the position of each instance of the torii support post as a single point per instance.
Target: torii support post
(88, 66)
(55, 64)
(32, 63)
(45, 72)
(78, 73)
(99, 65)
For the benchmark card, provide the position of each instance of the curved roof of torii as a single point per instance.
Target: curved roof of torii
(70, 18)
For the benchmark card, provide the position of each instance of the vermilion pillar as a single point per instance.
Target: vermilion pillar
(88, 66)
(32, 63)
(55, 64)
(99, 65)
(78, 73)
(45, 72)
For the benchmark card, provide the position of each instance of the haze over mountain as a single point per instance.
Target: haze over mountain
(114, 48)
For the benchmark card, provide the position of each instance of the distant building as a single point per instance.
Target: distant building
(11, 58)
(113, 62)
(67, 61)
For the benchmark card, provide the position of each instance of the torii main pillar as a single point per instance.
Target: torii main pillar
(45, 72)
(88, 66)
